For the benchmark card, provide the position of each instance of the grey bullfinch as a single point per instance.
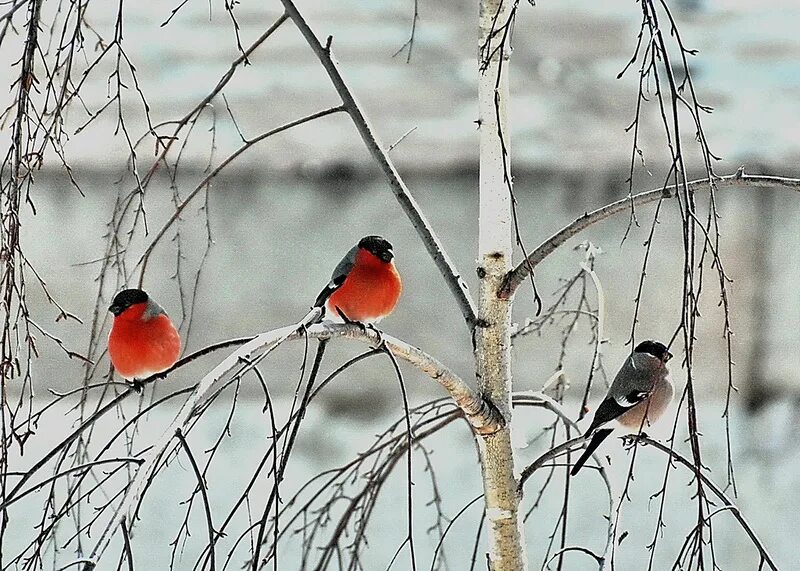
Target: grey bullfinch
(639, 395)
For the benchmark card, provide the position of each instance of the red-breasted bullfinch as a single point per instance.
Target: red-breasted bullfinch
(365, 286)
(143, 341)
(638, 396)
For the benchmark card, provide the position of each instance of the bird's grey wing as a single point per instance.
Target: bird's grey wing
(633, 383)
(635, 379)
(340, 273)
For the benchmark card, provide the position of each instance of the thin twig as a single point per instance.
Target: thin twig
(213, 174)
(698, 473)
(212, 535)
(401, 192)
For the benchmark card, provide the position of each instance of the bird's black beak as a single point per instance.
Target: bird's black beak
(115, 309)
(667, 356)
(386, 256)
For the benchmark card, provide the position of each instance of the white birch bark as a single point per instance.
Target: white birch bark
(493, 340)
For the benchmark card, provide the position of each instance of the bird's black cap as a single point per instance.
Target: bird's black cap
(377, 246)
(126, 298)
(654, 348)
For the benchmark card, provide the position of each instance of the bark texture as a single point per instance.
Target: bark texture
(493, 339)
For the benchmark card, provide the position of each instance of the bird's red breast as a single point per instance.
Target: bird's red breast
(141, 345)
(370, 291)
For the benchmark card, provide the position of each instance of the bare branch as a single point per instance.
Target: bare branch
(482, 416)
(766, 558)
(541, 400)
(516, 276)
(223, 81)
(201, 484)
(409, 44)
(210, 176)
(87, 466)
(401, 192)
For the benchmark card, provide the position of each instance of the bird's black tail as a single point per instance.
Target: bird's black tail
(597, 438)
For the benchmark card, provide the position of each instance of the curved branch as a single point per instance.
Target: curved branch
(223, 81)
(203, 486)
(39, 485)
(540, 399)
(559, 450)
(210, 176)
(91, 420)
(401, 192)
(484, 418)
(645, 440)
(601, 560)
(516, 276)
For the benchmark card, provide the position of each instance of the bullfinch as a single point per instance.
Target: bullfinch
(365, 286)
(143, 340)
(638, 396)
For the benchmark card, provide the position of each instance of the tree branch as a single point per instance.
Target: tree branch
(539, 399)
(482, 416)
(210, 176)
(203, 487)
(516, 276)
(223, 81)
(401, 192)
(698, 473)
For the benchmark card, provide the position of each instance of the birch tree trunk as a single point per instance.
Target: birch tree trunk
(493, 340)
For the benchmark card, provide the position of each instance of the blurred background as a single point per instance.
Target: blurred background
(284, 213)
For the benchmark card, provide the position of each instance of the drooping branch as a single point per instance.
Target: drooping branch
(17, 344)
(342, 500)
(516, 276)
(89, 422)
(482, 416)
(203, 487)
(401, 192)
(766, 558)
(541, 400)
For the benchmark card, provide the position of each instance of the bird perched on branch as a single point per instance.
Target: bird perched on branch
(143, 340)
(638, 396)
(364, 286)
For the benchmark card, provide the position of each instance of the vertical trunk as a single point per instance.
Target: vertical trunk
(493, 343)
